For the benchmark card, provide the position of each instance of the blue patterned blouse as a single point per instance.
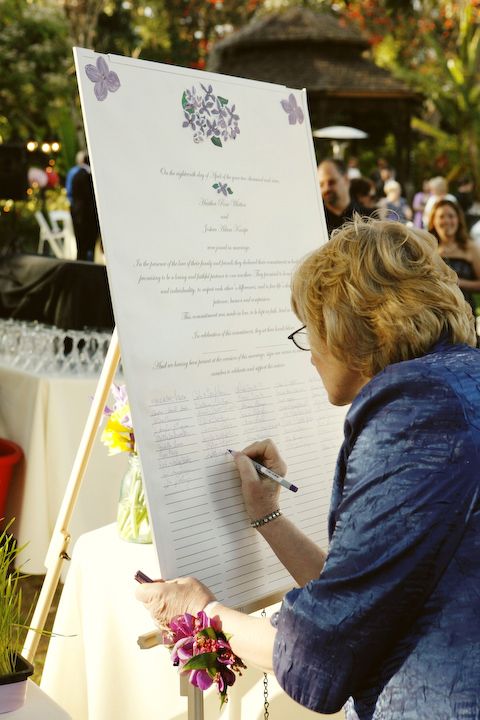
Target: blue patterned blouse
(393, 621)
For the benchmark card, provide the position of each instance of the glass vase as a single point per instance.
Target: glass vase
(133, 523)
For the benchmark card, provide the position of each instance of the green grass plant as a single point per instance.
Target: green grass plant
(11, 624)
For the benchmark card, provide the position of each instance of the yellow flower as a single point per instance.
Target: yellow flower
(116, 436)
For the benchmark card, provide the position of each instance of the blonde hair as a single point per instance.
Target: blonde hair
(377, 293)
(391, 185)
(438, 185)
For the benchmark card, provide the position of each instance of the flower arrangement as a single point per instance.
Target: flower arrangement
(118, 433)
(132, 517)
(201, 648)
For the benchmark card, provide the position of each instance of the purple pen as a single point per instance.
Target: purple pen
(141, 577)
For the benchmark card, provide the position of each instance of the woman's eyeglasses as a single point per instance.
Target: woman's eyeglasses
(300, 338)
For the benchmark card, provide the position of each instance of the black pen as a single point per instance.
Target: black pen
(270, 474)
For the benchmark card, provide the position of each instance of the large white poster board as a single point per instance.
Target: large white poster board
(207, 196)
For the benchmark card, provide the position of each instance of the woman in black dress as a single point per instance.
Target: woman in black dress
(447, 223)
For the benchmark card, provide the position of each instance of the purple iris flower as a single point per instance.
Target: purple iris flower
(202, 621)
(119, 392)
(189, 120)
(120, 398)
(221, 112)
(182, 651)
(224, 678)
(205, 107)
(233, 115)
(212, 128)
(295, 112)
(208, 92)
(201, 679)
(105, 80)
(224, 657)
(183, 626)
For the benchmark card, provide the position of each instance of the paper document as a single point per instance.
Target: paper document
(207, 196)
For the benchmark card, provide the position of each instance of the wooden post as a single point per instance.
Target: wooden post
(194, 699)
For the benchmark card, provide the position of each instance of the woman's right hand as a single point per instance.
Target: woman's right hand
(260, 494)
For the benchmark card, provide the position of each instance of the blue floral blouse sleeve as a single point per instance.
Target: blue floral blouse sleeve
(405, 495)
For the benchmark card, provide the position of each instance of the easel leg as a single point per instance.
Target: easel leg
(195, 703)
(194, 699)
(57, 550)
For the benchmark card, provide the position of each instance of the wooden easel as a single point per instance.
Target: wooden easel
(57, 551)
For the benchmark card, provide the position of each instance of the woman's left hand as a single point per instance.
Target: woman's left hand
(165, 599)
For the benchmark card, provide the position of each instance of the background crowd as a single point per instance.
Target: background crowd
(450, 216)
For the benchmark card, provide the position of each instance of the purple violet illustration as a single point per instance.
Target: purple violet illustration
(295, 112)
(223, 188)
(105, 80)
(209, 116)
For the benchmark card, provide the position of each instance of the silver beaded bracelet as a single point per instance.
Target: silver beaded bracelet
(264, 520)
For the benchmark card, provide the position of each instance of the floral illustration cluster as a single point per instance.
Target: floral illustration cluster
(209, 116)
(222, 188)
(202, 649)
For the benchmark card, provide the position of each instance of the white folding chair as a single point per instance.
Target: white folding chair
(59, 240)
(54, 240)
(61, 222)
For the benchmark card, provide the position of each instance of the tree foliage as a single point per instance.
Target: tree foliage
(434, 45)
(172, 31)
(34, 62)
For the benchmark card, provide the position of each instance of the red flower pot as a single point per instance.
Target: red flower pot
(10, 456)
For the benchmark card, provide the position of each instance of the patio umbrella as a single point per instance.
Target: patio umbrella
(340, 132)
(339, 136)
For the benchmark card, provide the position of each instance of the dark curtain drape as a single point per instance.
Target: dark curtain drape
(69, 294)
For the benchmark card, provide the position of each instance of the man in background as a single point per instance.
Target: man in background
(84, 212)
(79, 160)
(335, 189)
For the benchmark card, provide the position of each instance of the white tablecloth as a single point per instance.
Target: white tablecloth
(46, 417)
(38, 706)
(101, 674)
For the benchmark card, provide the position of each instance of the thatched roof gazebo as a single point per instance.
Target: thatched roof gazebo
(319, 51)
